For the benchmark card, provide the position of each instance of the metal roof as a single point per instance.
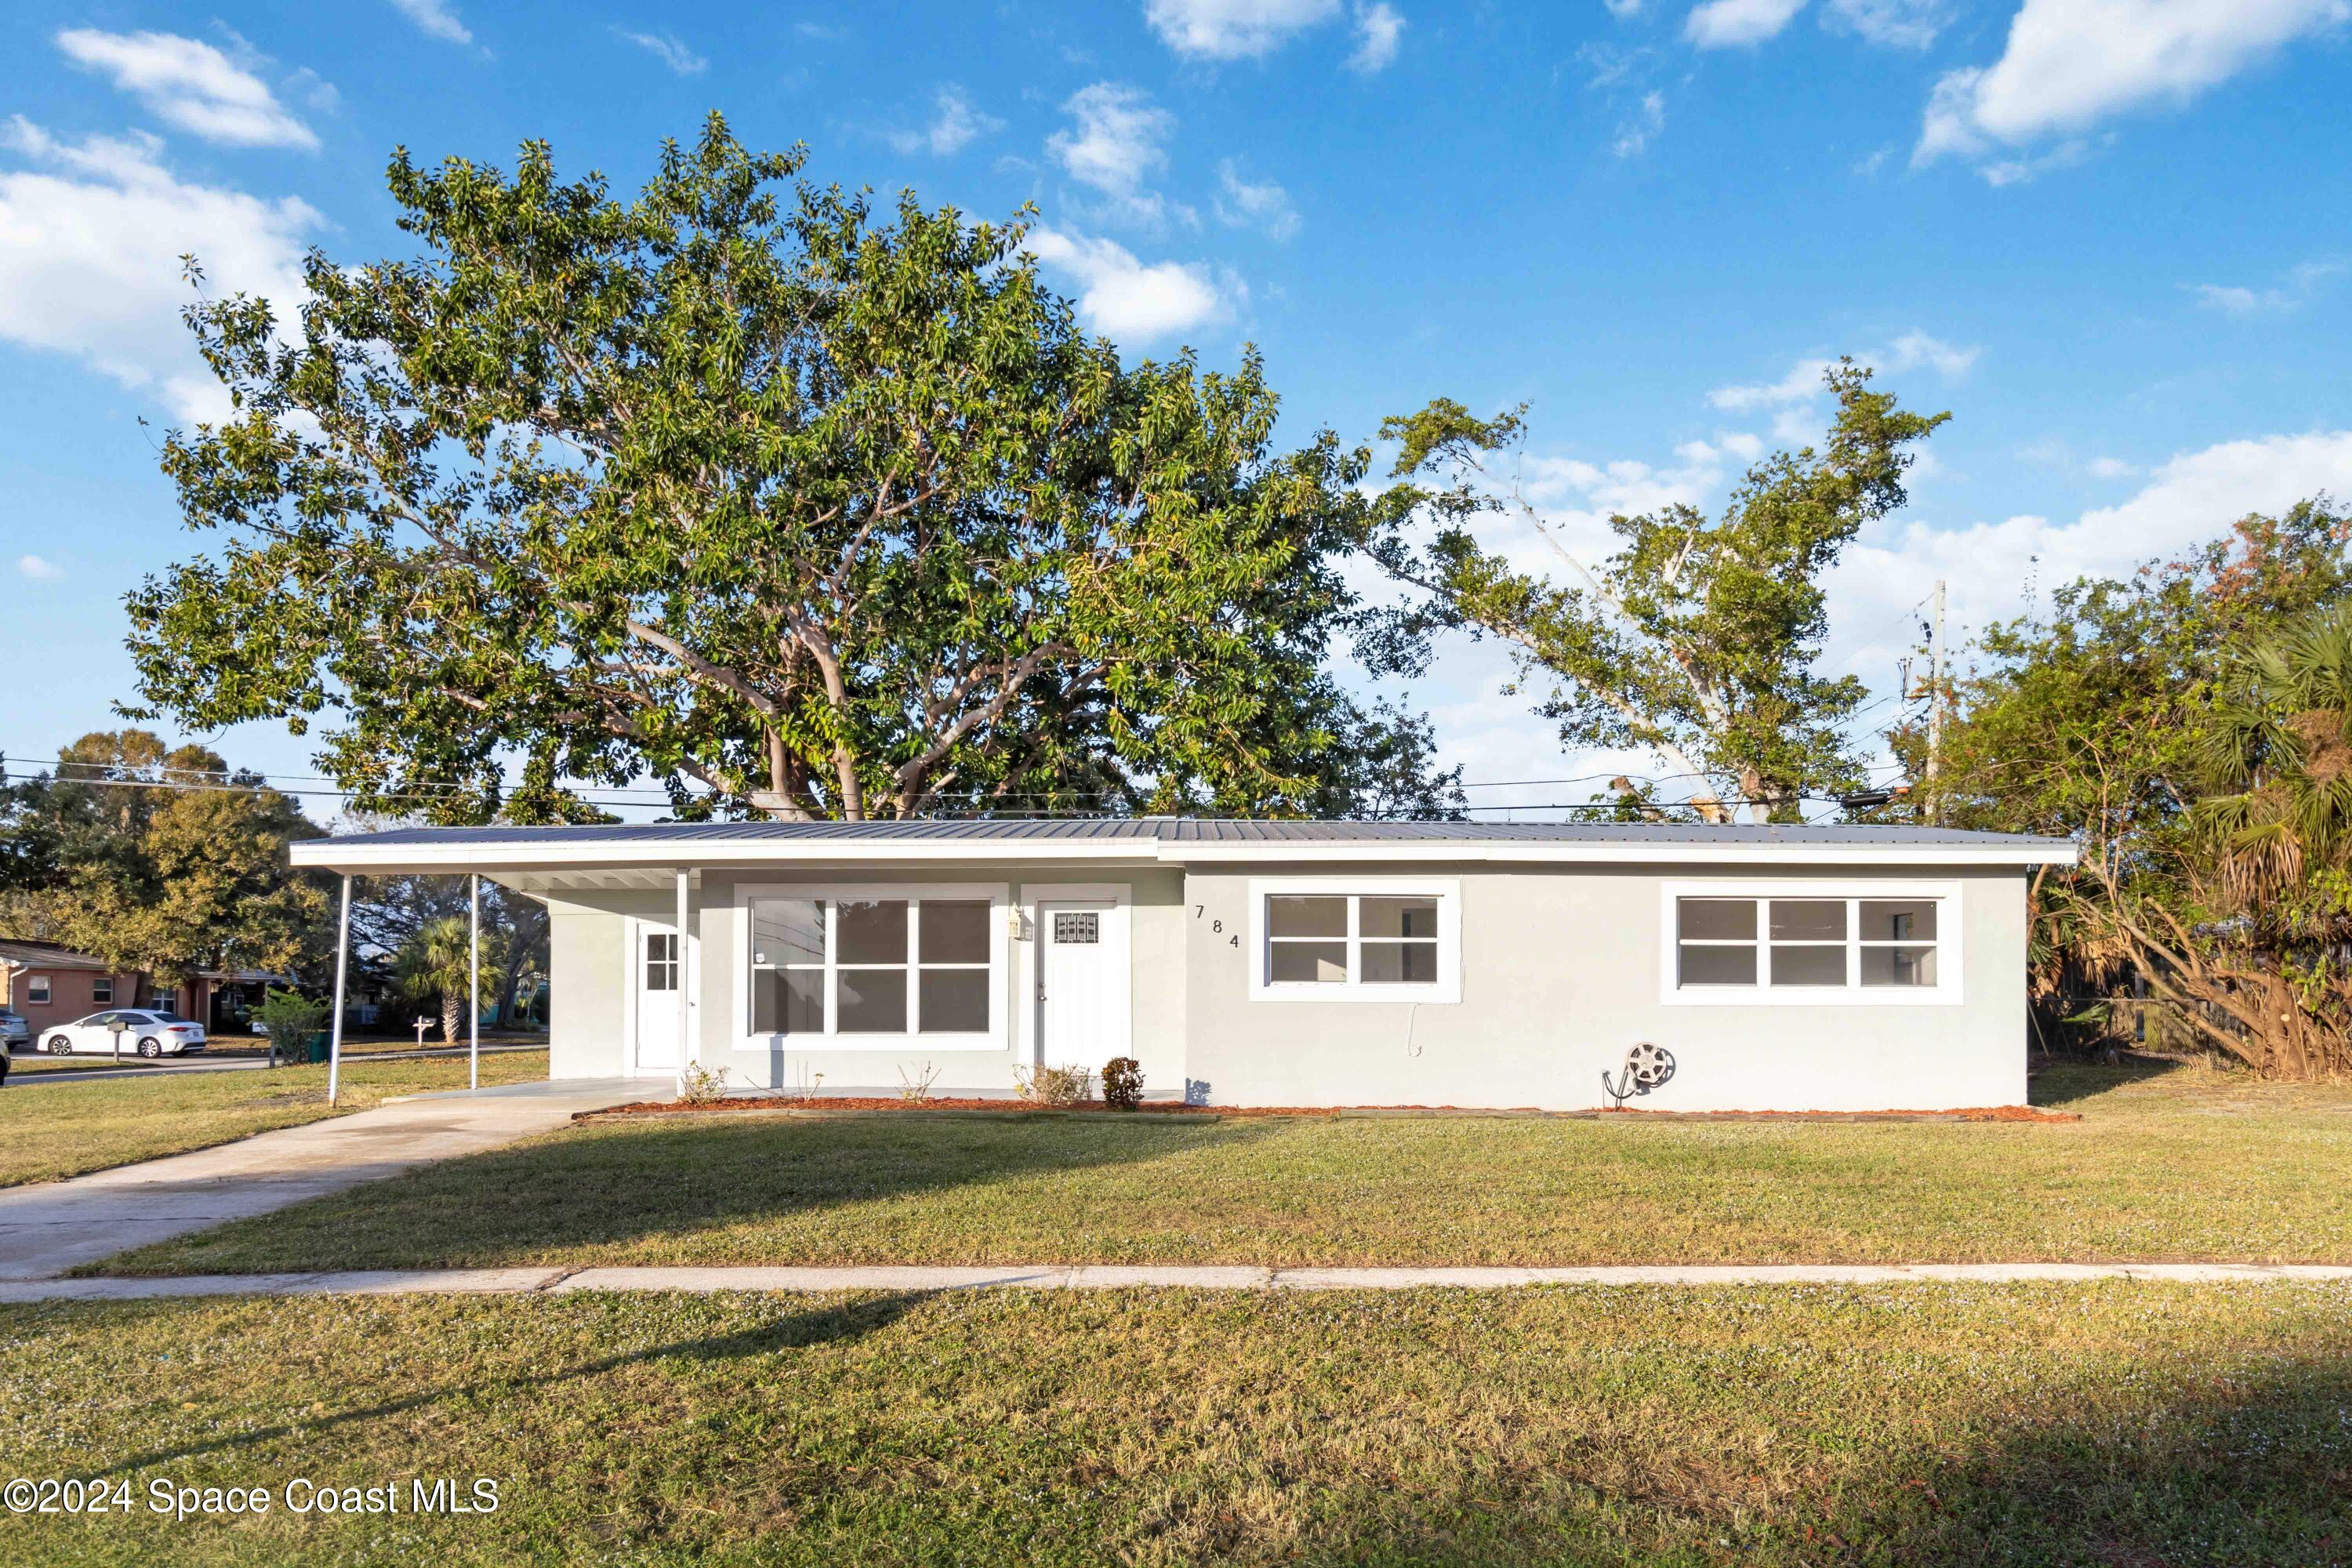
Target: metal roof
(649, 850)
(1201, 830)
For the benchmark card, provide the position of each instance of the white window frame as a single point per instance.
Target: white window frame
(105, 982)
(39, 992)
(998, 896)
(1949, 921)
(1446, 890)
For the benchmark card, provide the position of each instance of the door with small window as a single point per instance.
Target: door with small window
(1078, 990)
(658, 973)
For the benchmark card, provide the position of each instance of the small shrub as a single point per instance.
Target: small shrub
(292, 1019)
(1058, 1086)
(918, 1089)
(1122, 1083)
(704, 1085)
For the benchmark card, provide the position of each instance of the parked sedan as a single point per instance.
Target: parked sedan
(13, 1030)
(148, 1032)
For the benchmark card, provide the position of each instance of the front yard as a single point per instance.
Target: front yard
(2113, 1424)
(2178, 1164)
(54, 1130)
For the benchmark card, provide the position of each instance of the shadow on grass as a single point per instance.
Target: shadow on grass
(823, 1325)
(621, 1183)
(2253, 1471)
(2063, 1083)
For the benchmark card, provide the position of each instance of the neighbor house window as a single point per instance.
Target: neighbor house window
(863, 966)
(1343, 940)
(101, 990)
(1816, 943)
(36, 990)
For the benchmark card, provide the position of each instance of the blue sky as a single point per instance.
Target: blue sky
(2108, 235)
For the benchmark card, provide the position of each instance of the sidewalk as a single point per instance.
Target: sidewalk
(51, 1226)
(1099, 1276)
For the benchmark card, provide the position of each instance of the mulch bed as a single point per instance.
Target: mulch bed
(859, 1105)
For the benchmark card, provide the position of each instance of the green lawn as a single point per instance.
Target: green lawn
(2184, 1165)
(2110, 1424)
(62, 1129)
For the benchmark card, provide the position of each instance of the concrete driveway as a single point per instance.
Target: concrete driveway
(56, 1226)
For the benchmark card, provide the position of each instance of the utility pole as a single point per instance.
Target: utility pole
(1936, 709)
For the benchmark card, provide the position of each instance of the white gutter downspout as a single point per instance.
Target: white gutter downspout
(686, 1042)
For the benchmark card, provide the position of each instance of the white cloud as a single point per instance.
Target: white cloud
(1897, 24)
(435, 18)
(1802, 384)
(1115, 145)
(666, 48)
(2110, 468)
(2237, 300)
(1260, 204)
(1233, 29)
(2193, 497)
(1636, 131)
(89, 260)
(1733, 24)
(956, 126)
(1380, 30)
(1624, 9)
(38, 570)
(2069, 64)
(1740, 444)
(1917, 348)
(189, 85)
(1122, 298)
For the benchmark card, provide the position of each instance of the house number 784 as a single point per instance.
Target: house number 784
(1217, 926)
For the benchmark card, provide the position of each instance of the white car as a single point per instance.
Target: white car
(146, 1032)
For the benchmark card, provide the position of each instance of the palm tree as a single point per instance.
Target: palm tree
(432, 966)
(2281, 746)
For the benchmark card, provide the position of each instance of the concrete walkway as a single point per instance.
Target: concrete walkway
(50, 1227)
(1101, 1277)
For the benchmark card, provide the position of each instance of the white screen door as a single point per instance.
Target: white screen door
(1077, 1024)
(657, 978)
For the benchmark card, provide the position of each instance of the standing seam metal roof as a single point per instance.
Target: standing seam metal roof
(1206, 830)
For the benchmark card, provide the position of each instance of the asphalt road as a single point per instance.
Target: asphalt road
(25, 1079)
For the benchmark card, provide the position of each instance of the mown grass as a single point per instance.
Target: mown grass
(65, 1129)
(2185, 1164)
(2110, 1424)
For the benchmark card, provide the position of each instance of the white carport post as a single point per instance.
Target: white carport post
(474, 984)
(342, 957)
(685, 1011)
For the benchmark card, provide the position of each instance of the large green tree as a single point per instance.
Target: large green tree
(792, 506)
(1699, 637)
(2160, 720)
(163, 860)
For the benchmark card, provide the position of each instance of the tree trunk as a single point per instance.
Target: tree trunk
(453, 1014)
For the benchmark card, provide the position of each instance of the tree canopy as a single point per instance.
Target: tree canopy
(1699, 639)
(797, 508)
(162, 860)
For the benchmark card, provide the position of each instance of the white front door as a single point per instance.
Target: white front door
(655, 966)
(1077, 995)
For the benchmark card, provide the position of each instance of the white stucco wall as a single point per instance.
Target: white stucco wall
(590, 992)
(1561, 971)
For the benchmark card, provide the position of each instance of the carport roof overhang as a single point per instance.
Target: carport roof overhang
(651, 854)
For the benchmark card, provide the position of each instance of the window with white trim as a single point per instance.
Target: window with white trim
(1371, 942)
(101, 990)
(886, 964)
(36, 990)
(1788, 944)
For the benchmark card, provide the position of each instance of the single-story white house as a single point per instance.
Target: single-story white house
(1307, 963)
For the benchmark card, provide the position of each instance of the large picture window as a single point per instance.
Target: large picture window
(1810, 943)
(865, 966)
(1348, 941)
